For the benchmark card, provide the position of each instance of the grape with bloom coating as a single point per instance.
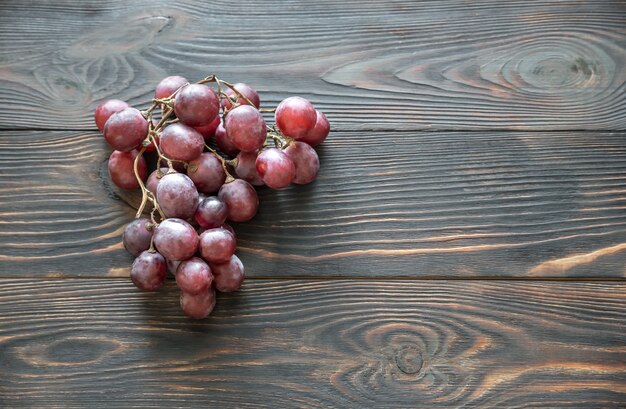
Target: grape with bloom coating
(137, 236)
(207, 173)
(126, 129)
(241, 200)
(211, 212)
(319, 132)
(217, 245)
(196, 105)
(275, 168)
(222, 140)
(172, 265)
(106, 109)
(121, 169)
(245, 90)
(306, 160)
(149, 271)
(181, 142)
(198, 306)
(169, 85)
(246, 128)
(176, 239)
(228, 276)
(295, 117)
(246, 168)
(194, 276)
(154, 179)
(177, 196)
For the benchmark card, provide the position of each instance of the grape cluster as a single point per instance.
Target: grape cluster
(195, 188)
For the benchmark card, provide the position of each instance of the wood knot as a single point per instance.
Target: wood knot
(409, 360)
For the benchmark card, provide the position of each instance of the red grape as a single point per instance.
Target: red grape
(246, 168)
(295, 117)
(177, 196)
(181, 142)
(246, 128)
(172, 265)
(153, 180)
(208, 131)
(121, 169)
(319, 132)
(126, 129)
(244, 89)
(228, 227)
(194, 276)
(198, 306)
(137, 236)
(196, 105)
(224, 143)
(228, 276)
(106, 109)
(217, 245)
(211, 212)
(306, 160)
(176, 239)
(207, 173)
(149, 271)
(275, 168)
(169, 85)
(241, 200)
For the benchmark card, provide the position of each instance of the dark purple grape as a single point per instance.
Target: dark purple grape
(106, 109)
(246, 168)
(153, 179)
(228, 276)
(181, 142)
(196, 105)
(176, 239)
(169, 85)
(224, 143)
(126, 129)
(194, 276)
(275, 168)
(319, 132)
(177, 196)
(207, 173)
(295, 117)
(241, 200)
(198, 306)
(217, 245)
(149, 271)
(306, 160)
(211, 212)
(172, 265)
(246, 128)
(137, 236)
(208, 131)
(246, 91)
(121, 169)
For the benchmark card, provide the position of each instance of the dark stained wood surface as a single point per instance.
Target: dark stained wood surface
(367, 64)
(464, 245)
(447, 204)
(101, 343)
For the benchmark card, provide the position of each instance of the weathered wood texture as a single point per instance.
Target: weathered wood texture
(354, 343)
(367, 64)
(385, 204)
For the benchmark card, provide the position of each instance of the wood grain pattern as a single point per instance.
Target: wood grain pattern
(385, 204)
(101, 343)
(368, 64)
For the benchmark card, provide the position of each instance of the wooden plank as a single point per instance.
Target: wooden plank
(368, 64)
(100, 343)
(453, 204)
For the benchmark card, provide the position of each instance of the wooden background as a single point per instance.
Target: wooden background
(463, 246)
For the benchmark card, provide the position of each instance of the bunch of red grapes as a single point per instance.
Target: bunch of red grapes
(195, 188)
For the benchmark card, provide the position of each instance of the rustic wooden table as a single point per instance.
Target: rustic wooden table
(464, 245)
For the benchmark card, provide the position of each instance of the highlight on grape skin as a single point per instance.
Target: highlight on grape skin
(205, 146)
